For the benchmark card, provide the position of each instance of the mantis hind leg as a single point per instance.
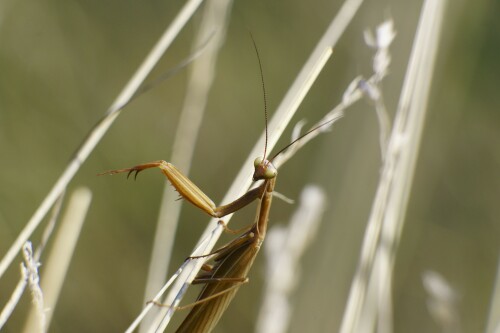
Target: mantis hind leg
(234, 231)
(238, 282)
(228, 248)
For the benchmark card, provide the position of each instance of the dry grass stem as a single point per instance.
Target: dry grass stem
(215, 20)
(157, 298)
(100, 129)
(30, 269)
(21, 285)
(61, 253)
(493, 322)
(442, 302)
(284, 249)
(369, 302)
(10, 306)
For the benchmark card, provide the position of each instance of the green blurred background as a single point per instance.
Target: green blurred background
(63, 62)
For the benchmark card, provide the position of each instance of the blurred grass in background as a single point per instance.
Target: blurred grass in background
(62, 64)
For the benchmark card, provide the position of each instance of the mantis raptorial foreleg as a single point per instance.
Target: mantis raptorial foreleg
(192, 193)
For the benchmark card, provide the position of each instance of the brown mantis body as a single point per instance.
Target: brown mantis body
(231, 266)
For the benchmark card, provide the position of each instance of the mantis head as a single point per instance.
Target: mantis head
(264, 169)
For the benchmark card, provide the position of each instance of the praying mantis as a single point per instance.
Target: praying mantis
(233, 261)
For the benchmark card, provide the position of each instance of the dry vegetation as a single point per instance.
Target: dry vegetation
(408, 238)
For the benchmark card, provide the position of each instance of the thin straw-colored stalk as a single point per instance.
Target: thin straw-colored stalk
(367, 306)
(30, 271)
(493, 321)
(215, 20)
(14, 298)
(277, 125)
(159, 294)
(21, 285)
(99, 130)
(58, 261)
(284, 248)
(442, 302)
